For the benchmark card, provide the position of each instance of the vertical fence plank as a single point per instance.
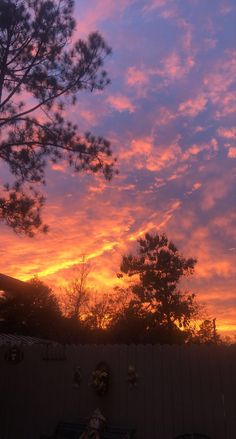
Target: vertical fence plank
(186, 391)
(140, 361)
(177, 402)
(168, 391)
(216, 404)
(228, 373)
(123, 384)
(148, 389)
(113, 396)
(158, 388)
(200, 410)
(133, 405)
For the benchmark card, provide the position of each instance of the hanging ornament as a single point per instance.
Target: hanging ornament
(132, 376)
(14, 355)
(77, 376)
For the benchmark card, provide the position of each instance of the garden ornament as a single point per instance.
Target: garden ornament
(95, 426)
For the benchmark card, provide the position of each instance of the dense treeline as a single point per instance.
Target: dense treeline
(152, 309)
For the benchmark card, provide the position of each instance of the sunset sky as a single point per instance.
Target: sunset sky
(170, 116)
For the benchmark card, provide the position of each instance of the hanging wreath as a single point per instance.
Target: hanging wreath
(100, 378)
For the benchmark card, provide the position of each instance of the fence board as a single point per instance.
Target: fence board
(133, 406)
(148, 367)
(158, 390)
(123, 384)
(177, 390)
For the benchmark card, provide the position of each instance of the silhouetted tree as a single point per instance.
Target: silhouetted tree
(157, 269)
(41, 72)
(32, 312)
(77, 294)
(130, 324)
(101, 311)
(207, 333)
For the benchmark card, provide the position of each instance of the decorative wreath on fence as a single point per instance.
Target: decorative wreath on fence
(101, 378)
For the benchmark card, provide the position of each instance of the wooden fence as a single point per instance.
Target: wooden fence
(180, 389)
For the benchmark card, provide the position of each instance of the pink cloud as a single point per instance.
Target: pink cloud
(175, 67)
(154, 4)
(89, 17)
(89, 117)
(187, 34)
(164, 156)
(141, 147)
(136, 76)
(121, 103)
(192, 107)
(226, 8)
(210, 148)
(214, 190)
(218, 82)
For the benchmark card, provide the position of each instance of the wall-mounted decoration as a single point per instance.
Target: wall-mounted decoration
(77, 376)
(14, 355)
(100, 378)
(95, 426)
(132, 376)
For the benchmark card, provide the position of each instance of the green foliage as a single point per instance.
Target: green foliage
(41, 73)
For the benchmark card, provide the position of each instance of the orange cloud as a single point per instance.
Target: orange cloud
(62, 166)
(227, 133)
(164, 156)
(146, 153)
(232, 152)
